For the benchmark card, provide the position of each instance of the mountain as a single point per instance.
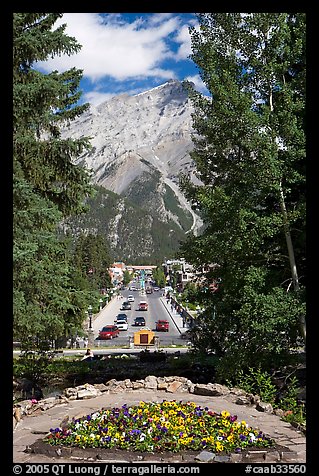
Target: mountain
(134, 235)
(140, 144)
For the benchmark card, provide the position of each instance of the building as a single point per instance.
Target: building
(182, 271)
(116, 271)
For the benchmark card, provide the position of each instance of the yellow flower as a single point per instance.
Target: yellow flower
(210, 439)
(225, 414)
(219, 446)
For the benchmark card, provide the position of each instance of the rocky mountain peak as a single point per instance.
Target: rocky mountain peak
(140, 144)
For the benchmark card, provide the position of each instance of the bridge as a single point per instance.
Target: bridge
(140, 267)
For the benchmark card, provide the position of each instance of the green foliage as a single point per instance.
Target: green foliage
(159, 277)
(250, 156)
(248, 322)
(32, 365)
(126, 277)
(295, 412)
(47, 186)
(141, 238)
(92, 260)
(172, 204)
(257, 382)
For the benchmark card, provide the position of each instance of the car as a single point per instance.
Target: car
(162, 325)
(156, 288)
(126, 306)
(130, 298)
(122, 324)
(121, 316)
(109, 332)
(143, 306)
(139, 321)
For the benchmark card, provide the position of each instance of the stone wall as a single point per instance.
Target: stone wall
(168, 385)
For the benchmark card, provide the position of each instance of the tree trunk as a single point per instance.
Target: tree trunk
(293, 266)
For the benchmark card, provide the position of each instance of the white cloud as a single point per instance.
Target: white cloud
(183, 37)
(120, 50)
(199, 84)
(95, 97)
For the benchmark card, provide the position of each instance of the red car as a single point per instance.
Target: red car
(109, 332)
(162, 325)
(143, 306)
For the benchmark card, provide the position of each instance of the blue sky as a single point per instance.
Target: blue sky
(127, 52)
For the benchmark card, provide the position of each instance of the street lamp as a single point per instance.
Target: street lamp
(91, 332)
(101, 304)
(90, 309)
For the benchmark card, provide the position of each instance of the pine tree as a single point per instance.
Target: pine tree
(42, 103)
(92, 260)
(47, 184)
(250, 156)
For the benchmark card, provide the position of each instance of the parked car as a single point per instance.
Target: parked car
(162, 325)
(109, 332)
(143, 306)
(130, 298)
(139, 321)
(126, 306)
(122, 324)
(156, 288)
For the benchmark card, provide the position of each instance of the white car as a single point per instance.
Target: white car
(122, 325)
(130, 298)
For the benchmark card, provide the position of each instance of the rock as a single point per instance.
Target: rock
(279, 412)
(111, 382)
(88, 393)
(222, 459)
(17, 414)
(211, 389)
(205, 456)
(264, 407)
(242, 400)
(174, 386)
(101, 387)
(138, 384)
(70, 392)
(151, 382)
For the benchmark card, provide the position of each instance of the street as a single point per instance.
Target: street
(156, 310)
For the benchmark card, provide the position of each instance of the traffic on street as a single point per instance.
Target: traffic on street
(146, 311)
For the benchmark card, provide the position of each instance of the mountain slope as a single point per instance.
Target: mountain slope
(140, 144)
(134, 234)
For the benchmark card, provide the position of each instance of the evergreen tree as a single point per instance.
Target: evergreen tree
(92, 260)
(47, 185)
(250, 156)
(159, 277)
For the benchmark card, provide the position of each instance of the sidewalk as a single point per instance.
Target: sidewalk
(179, 322)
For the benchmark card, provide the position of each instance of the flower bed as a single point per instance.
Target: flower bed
(155, 427)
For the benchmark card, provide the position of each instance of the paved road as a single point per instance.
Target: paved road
(32, 428)
(158, 309)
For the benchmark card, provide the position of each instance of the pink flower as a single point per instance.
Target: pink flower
(34, 400)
